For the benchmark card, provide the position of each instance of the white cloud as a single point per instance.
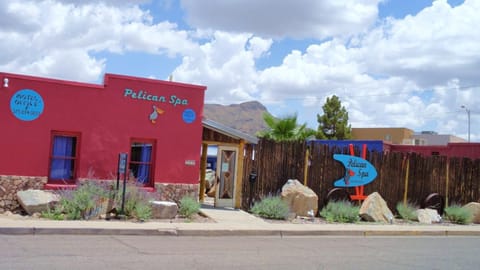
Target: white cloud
(413, 72)
(259, 46)
(225, 65)
(73, 64)
(41, 35)
(109, 2)
(436, 45)
(322, 70)
(271, 18)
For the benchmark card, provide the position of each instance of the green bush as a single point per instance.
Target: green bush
(53, 213)
(341, 211)
(271, 208)
(457, 214)
(188, 207)
(142, 211)
(407, 211)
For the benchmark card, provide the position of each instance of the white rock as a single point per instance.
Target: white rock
(164, 209)
(36, 200)
(428, 216)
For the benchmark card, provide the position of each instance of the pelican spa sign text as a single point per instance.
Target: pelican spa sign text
(144, 95)
(188, 114)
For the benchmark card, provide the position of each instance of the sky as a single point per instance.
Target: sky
(392, 63)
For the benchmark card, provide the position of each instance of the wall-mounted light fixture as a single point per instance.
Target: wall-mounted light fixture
(5, 82)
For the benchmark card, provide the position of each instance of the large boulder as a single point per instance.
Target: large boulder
(37, 201)
(164, 209)
(428, 216)
(375, 209)
(474, 207)
(301, 199)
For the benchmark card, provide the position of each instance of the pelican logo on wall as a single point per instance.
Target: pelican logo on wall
(26, 105)
(154, 115)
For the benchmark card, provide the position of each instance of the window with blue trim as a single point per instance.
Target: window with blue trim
(141, 160)
(63, 157)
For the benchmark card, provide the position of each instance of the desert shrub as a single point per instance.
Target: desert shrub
(188, 207)
(136, 204)
(85, 202)
(341, 211)
(407, 211)
(271, 208)
(457, 214)
(80, 203)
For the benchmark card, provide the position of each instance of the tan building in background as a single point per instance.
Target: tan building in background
(432, 138)
(404, 136)
(390, 135)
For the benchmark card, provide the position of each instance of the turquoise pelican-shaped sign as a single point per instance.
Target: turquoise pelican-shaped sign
(358, 171)
(154, 115)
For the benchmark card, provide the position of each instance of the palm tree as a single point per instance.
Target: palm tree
(284, 129)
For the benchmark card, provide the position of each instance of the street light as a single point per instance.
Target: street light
(468, 114)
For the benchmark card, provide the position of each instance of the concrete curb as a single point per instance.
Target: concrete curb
(16, 231)
(228, 232)
(85, 231)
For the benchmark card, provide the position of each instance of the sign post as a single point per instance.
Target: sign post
(122, 166)
(122, 169)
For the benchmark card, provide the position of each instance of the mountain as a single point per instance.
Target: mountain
(246, 117)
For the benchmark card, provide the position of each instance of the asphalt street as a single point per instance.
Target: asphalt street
(42, 252)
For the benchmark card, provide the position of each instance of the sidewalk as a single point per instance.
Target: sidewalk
(228, 222)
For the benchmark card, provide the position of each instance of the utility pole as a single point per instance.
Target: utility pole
(468, 115)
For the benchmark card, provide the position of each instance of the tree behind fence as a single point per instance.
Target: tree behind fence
(275, 163)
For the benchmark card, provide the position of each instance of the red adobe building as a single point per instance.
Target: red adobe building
(55, 133)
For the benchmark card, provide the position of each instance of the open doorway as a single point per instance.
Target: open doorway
(211, 180)
(221, 176)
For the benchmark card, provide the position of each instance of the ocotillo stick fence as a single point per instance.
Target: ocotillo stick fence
(401, 177)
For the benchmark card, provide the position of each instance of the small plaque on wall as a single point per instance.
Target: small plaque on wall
(190, 162)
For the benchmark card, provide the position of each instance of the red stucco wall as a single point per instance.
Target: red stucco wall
(467, 150)
(107, 117)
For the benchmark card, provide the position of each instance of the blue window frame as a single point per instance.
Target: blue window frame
(141, 161)
(63, 158)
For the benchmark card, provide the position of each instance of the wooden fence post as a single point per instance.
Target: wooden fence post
(405, 192)
(203, 168)
(305, 167)
(447, 182)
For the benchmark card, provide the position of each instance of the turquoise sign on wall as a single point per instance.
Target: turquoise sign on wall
(26, 105)
(358, 171)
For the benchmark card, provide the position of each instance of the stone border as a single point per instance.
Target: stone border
(175, 192)
(11, 184)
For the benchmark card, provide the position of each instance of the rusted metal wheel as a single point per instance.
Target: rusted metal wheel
(336, 195)
(434, 201)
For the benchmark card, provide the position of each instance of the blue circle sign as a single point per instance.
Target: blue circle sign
(189, 116)
(26, 105)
